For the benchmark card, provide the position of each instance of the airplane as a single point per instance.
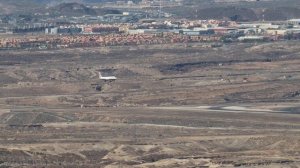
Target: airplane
(107, 78)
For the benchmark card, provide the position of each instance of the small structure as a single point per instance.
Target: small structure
(53, 30)
(252, 38)
(98, 88)
(294, 22)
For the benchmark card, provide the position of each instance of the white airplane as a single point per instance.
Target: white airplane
(107, 78)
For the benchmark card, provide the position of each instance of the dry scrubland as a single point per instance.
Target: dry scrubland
(172, 106)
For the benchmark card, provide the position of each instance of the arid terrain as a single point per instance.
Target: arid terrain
(175, 105)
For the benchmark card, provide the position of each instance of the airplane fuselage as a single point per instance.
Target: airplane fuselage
(107, 78)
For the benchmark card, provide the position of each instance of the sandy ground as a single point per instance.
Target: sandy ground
(174, 106)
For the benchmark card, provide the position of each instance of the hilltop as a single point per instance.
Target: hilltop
(192, 9)
(72, 9)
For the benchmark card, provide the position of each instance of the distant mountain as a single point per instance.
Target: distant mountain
(72, 9)
(281, 13)
(54, 7)
(77, 9)
(76, 1)
(193, 9)
(13, 6)
(237, 13)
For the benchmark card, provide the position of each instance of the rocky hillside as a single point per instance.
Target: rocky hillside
(237, 13)
(72, 9)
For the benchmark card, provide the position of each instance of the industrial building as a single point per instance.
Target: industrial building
(63, 30)
(53, 30)
(252, 38)
(197, 32)
(294, 22)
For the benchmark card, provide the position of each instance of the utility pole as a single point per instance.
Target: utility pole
(160, 6)
(263, 15)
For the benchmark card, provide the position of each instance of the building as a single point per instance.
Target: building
(147, 31)
(294, 22)
(280, 32)
(69, 30)
(63, 30)
(252, 38)
(197, 32)
(223, 30)
(53, 30)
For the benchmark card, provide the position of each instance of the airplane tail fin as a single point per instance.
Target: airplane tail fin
(100, 76)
